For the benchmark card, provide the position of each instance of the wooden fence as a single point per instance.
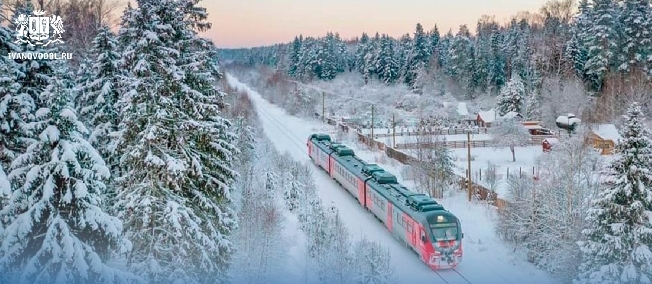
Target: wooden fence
(448, 144)
(449, 131)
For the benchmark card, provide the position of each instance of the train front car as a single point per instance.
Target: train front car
(445, 235)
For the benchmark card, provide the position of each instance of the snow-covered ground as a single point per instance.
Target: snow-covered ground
(501, 159)
(487, 259)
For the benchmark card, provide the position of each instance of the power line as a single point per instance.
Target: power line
(331, 93)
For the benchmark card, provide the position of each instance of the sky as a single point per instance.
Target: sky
(250, 23)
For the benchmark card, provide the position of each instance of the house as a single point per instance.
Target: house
(604, 137)
(486, 118)
(548, 143)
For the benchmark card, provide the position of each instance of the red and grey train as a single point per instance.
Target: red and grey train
(417, 220)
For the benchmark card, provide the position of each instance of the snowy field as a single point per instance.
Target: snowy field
(501, 159)
(486, 260)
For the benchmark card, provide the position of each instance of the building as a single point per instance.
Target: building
(548, 143)
(486, 118)
(604, 138)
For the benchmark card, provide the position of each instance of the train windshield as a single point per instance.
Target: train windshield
(444, 231)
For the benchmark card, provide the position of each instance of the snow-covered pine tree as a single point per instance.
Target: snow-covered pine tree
(58, 232)
(12, 105)
(387, 66)
(443, 167)
(619, 234)
(37, 72)
(295, 56)
(334, 258)
(576, 47)
(5, 192)
(602, 41)
(81, 78)
(99, 94)
(176, 151)
(460, 60)
(636, 34)
(511, 96)
(373, 263)
(418, 57)
(532, 108)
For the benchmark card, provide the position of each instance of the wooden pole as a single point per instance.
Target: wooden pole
(393, 130)
(468, 148)
(372, 122)
(323, 106)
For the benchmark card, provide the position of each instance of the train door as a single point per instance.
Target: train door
(411, 232)
(362, 197)
(331, 166)
(390, 214)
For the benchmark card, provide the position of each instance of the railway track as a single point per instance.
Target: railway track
(452, 276)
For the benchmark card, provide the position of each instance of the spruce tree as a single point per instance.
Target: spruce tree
(576, 47)
(175, 149)
(294, 56)
(532, 108)
(601, 42)
(13, 105)
(418, 57)
(619, 234)
(58, 232)
(99, 93)
(636, 34)
(511, 96)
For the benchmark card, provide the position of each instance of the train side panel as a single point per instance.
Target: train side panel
(377, 205)
(347, 179)
(361, 193)
(323, 160)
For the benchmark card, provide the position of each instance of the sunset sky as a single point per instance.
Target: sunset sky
(248, 23)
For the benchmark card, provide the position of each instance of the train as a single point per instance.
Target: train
(415, 219)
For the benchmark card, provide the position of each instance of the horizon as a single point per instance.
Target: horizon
(248, 23)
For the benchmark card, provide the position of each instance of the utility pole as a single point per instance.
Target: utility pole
(323, 106)
(393, 130)
(372, 122)
(468, 148)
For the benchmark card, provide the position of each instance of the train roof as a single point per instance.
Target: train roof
(419, 206)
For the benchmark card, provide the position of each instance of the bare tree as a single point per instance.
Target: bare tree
(510, 132)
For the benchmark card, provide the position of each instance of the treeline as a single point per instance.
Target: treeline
(606, 45)
(118, 167)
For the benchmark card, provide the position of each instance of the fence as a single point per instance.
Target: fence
(449, 131)
(505, 174)
(448, 144)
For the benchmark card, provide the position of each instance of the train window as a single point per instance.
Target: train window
(409, 227)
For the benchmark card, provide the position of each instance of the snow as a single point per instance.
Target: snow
(552, 140)
(510, 115)
(462, 110)
(501, 159)
(487, 259)
(607, 132)
(568, 120)
(4, 183)
(488, 116)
